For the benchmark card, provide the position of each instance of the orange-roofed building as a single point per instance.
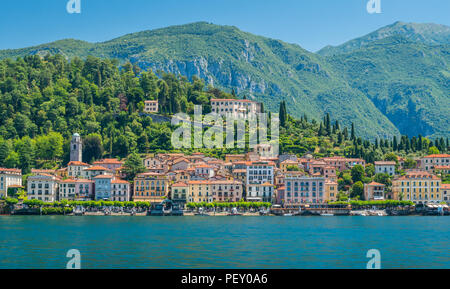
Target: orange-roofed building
(151, 187)
(374, 191)
(110, 164)
(420, 187)
(429, 162)
(76, 190)
(179, 193)
(96, 170)
(75, 169)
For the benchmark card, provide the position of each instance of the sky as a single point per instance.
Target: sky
(312, 24)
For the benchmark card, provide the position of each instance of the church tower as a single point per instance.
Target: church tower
(76, 148)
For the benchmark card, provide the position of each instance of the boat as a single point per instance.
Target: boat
(79, 211)
(327, 215)
(288, 215)
(234, 212)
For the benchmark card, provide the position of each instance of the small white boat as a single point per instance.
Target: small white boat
(327, 215)
(287, 215)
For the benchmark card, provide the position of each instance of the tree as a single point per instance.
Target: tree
(383, 178)
(433, 150)
(357, 190)
(357, 173)
(92, 147)
(353, 131)
(133, 166)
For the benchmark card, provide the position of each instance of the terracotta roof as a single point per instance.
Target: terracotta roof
(375, 184)
(438, 156)
(179, 184)
(108, 161)
(445, 186)
(96, 168)
(10, 170)
(104, 177)
(77, 163)
(385, 163)
(119, 181)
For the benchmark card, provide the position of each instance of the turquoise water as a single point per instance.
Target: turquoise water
(224, 242)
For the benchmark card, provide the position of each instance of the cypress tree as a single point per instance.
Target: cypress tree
(353, 131)
(395, 144)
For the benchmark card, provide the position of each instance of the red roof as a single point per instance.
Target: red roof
(77, 163)
(96, 168)
(119, 181)
(180, 184)
(375, 184)
(438, 156)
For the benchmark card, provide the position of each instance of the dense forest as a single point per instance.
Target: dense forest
(45, 100)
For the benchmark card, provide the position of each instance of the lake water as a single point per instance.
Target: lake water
(224, 242)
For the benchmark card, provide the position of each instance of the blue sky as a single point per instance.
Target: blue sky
(309, 23)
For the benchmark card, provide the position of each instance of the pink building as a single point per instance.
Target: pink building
(76, 190)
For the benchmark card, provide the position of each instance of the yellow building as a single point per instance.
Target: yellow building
(331, 191)
(200, 191)
(150, 187)
(420, 187)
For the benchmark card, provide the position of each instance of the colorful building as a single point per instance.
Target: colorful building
(151, 187)
(42, 187)
(418, 186)
(9, 178)
(374, 191)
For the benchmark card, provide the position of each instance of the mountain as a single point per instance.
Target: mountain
(427, 33)
(409, 82)
(270, 70)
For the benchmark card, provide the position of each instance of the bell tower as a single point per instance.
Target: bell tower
(76, 148)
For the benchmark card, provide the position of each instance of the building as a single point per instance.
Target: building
(445, 190)
(200, 191)
(227, 190)
(229, 158)
(288, 164)
(179, 193)
(429, 162)
(151, 106)
(75, 169)
(151, 187)
(305, 190)
(103, 187)
(94, 171)
(204, 171)
(331, 191)
(120, 190)
(9, 178)
(342, 163)
(418, 186)
(76, 148)
(76, 190)
(42, 187)
(374, 191)
(238, 108)
(385, 167)
(260, 192)
(260, 172)
(110, 164)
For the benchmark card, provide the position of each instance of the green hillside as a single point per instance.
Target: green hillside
(426, 33)
(261, 68)
(407, 81)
